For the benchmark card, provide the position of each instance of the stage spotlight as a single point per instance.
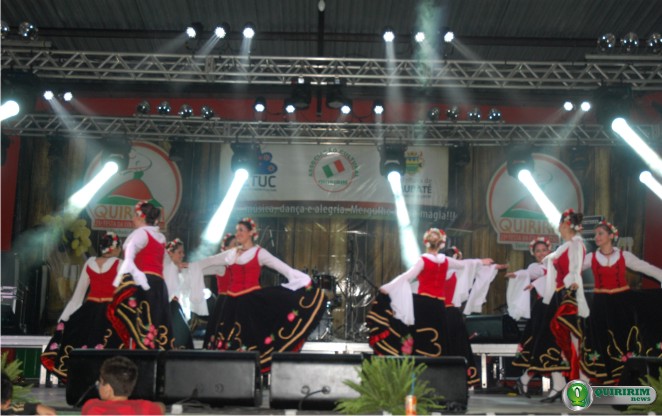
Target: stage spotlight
(607, 42)
(494, 115)
(260, 105)
(388, 35)
(654, 43)
(185, 111)
(568, 106)
(116, 149)
(548, 208)
(178, 148)
(244, 156)
(301, 94)
(408, 243)
(585, 106)
(419, 37)
(289, 107)
(334, 95)
(392, 159)
(460, 155)
(207, 112)
(378, 107)
(453, 113)
(630, 42)
(49, 95)
(9, 109)
(4, 29)
(433, 114)
(519, 158)
(164, 108)
(647, 179)
(610, 102)
(249, 31)
(449, 37)
(635, 141)
(67, 96)
(143, 107)
(194, 30)
(28, 31)
(346, 108)
(474, 114)
(216, 227)
(82, 197)
(221, 30)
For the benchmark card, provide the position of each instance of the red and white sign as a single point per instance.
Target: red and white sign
(150, 176)
(516, 216)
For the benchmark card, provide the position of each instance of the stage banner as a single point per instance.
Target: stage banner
(150, 176)
(516, 216)
(344, 181)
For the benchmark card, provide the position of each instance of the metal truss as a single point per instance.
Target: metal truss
(643, 75)
(157, 128)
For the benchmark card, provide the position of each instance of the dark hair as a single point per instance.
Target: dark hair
(450, 252)
(121, 373)
(7, 387)
(575, 218)
(228, 240)
(151, 212)
(108, 241)
(247, 223)
(173, 245)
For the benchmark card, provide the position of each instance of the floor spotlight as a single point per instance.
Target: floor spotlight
(607, 42)
(221, 30)
(378, 107)
(67, 96)
(419, 37)
(207, 112)
(244, 156)
(453, 113)
(654, 43)
(630, 42)
(185, 111)
(116, 149)
(449, 37)
(49, 95)
(494, 115)
(346, 108)
(389, 35)
(519, 158)
(164, 108)
(4, 29)
(392, 159)
(568, 106)
(143, 107)
(585, 106)
(28, 31)
(194, 30)
(474, 114)
(249, 31)
(289, 107)
(433, 114)
(260, 105)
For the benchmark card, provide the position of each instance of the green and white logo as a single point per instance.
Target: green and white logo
(577, 395)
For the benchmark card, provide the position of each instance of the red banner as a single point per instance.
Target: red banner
(9, 177)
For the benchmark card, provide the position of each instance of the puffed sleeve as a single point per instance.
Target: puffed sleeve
(576, 253)
(399, 290)
(135, 242)
(588, 259)
(635, 263)
(171, 276)
(478, 295)
(517, 298)
(78, 297)
(295, 278)
(210, 265)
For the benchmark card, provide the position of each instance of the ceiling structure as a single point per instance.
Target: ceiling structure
(539, 49)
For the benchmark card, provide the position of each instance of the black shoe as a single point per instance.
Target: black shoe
(520, 389)
(552, 397)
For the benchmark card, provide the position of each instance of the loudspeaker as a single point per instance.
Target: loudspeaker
(312, 381)
(83, 373)
(492, 328)
(213, 377)
(448, 377)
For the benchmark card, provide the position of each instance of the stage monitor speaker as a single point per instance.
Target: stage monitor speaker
(492, 328)
(83, 373)
(312, 381)
(213, 377)
(448, 377)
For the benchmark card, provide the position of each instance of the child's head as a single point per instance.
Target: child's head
(117, 377)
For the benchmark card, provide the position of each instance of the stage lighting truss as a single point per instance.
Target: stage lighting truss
(392, 159)
(519, 158)
(244, 156)
(116, 149)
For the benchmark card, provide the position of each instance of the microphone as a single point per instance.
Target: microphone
(84, 395)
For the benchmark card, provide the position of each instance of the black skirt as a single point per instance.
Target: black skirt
(457, 342)
(268, 320)
(87, 328)
(213, 322)
(531, 332)
(141, 317)
(183, 338)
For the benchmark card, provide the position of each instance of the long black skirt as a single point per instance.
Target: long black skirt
(458, 342)
(532, 331)
(621, 325)
(141, 317)
(87, 328)
(268, 320)
(183, 338)
(213, 322)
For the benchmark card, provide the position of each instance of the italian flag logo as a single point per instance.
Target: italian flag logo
(333, 168)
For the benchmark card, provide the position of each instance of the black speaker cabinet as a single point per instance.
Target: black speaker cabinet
(213, 377)
(83, 372)
(312, 381)
(492, 328)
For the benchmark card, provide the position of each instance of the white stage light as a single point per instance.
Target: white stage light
(585, 106)
(408, 243)
(449, 37)
(9, 109)
(623, 129)
(419, 37)
(647, 179)
(553, 215)
(80, 199)
(67, 96)
(49, 95)
(219, 221)
(568, 106)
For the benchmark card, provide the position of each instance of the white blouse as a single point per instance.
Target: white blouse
(575, 248)
(135, 242)
(632, 262)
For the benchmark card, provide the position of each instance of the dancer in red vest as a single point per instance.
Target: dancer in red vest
(624, 323)
(140, 311)
(256, 318)
(83, 323)
(556, 349)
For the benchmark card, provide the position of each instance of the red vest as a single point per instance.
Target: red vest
(223, 283)
(244, 278)
(609, 277)
(101, 284)
(150, 258)
(449, 289)
(432, 279)
(562, 265)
